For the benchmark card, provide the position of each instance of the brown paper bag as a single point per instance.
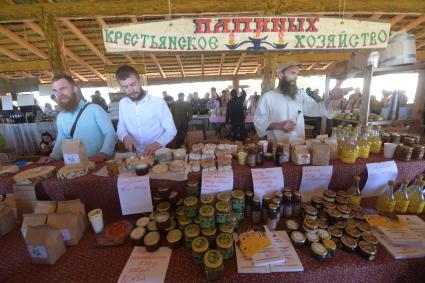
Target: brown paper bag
(44, 244)
(69, 226)
(74, 206)
(7, 220)
(74, 152)
(321, 153)
(32, 220)
(300, 155)
(25, 198)
(45, 206)
(10, 201)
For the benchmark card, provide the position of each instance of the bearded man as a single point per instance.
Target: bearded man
(145, 123)
(93, 127)
(280, 112)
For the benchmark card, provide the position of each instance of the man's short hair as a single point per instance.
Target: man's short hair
(181, 94)
(125, 71)
(66, 77)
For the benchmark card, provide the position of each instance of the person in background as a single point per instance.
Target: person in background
(145, 122)
(168, 98)
(213, 104)
(189, 98)
(338, 91)
(253, 102)
(48, 110)
(355, 100)
(235, 115)
(94, 128)
(386, 98)
(215, 94)
(32, 113)
(98, 99)
(47, 143)
(182, 113)
(314, 94)
(196, 103)
(375, 106)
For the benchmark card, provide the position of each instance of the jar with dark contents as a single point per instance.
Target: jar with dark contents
(278, 154)
(296, 204)
(395, 138)
(418, 151)
(272, 217)
(269, 146)
(256, 210)
(192, 188)
(265, 208)
(248, 203)
(409, 141)
(403, 153)
(252, 156)
(279, 195)
(386, 138)
(259, 159)
(213, 265)
(287, 204)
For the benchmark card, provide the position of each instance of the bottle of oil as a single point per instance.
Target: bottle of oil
(355, 197)
(341, 141)
(375, 142)
(364, 145)
(414, 186)
(417, 200)
(386, 201)
(402, 198)
(350, 151)
(333, 144)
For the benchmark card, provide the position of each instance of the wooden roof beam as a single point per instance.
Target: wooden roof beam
(375, 16)
(315, 57)
(80, 61)
(155, 60)
(238, 65)
(413, 24)
(220, 69)
(78, 76)
(203, 64)
(311, 67)
(396, 19)
(179, 60)
(420, 44)
(11, 54)
(420, 34)
(134, 20)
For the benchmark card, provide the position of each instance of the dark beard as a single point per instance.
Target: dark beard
(140, 97)
(289, 89)
(71, 104)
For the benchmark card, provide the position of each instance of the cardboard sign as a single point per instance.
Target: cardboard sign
(315, 180)
(134, 193)
(215, 182)
(143, 266)
(378, 175)
(25, 99)
(6, 102)
(267, 180)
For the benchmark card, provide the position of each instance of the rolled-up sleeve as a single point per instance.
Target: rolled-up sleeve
(262, 117)
(107, 129)
(167, 123)
(121, 128)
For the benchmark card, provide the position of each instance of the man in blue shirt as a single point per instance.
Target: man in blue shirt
(94, 128)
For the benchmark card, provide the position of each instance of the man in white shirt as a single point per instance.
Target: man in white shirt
(145, 122)
(280, 112)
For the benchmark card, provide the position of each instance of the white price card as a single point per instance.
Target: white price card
(134, 193)
(315, 180)
(267, 180)
(378, 175)
(215, 182)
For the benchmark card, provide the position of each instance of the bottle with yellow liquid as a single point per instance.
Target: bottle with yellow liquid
(402, 198)
(417, 200)
(415, 185)
(364, 145)
(341, 141)
(386, 201)
(375, 142)
(355, 196)
(350, 151)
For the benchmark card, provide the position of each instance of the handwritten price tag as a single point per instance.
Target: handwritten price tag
(267, 180)
(134, 193)
(71, 159)
(214, 182)
(378, 175)
(315, 180)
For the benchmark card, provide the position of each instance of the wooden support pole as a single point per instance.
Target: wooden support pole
(269, 72)
(419, 104)
(55, 44)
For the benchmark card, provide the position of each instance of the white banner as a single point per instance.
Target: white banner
(247, 34)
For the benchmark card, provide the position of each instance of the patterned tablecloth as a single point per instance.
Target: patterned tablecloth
(25, 138)
(82, 263)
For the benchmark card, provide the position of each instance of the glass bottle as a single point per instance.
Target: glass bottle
(333, 144)
(265, 208)
(350, 151)
(287, 204)
(375, 142)
(296, 204)
(402, 198)
(272, 217)
(413, 187)
(256, 210)
(248, 203)
(260, 155)
(341, 141)
(278, 154)
(364, 145)
(417, 199)
(252, 156)
(355, 196)
(277, 201)
(386, 201)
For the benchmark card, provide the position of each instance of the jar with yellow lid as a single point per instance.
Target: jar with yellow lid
(224, 196)
(225, 228)
(233, 220)
(210, 234)
(191, 207)
(163, 206)
(183, 221)
(222, 212)
(192, 188)
(224, 244)
(180, 211)
(174, 238)
(191, 232)
(152, 241)
(238, 200)
(207, 217)
(207, 199)
(199, 247)
(213, 265)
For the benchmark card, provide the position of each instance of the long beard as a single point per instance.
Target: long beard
(70, 104)
(289, 89)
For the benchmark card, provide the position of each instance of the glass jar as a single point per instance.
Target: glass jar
(403, 153)
(210, 234)
(207, 217)
(256, 210)
(233, 220)
(287, 204)
(222, 212)
(248, 203)
(278, 154)
(213, 265)
(199, 247)
(252, 156)
(418, 151)
(296, 204)
(225, 196)
(183, 221)
(191, 232)
(207, 199)
(191, 207)
(238, 200)
(272, 217)
(192, 188)
(224, 244)
(265, 208)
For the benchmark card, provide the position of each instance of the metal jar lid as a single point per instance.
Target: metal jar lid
(224, 240)
(151, 238)
(200, 244)
(213, 259)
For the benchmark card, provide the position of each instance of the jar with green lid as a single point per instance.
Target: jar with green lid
(191, 232)
(233, 220)
(183, 222)
(224, 244)
(180, 211)
(248, 203)
(225, 228)
(207, 199)
(163, 206)
(207, 217)
(199, 247)
(213, 265)
(210, 234)
(238, 200)
(191, 207)
(222, 212)
(192, 188)
(224, 196)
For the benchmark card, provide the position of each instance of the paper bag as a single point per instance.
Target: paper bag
(32, 220)
(25, 198)
(321, 153)
(69, 226)
(333, 144)
(45, 206)
(44, 244)
(7, 220)
(300, 155)
(74, 152)
(77, 207)
(10, 201)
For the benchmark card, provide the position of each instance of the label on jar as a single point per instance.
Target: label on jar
(375, 147)
(349, 157)
(354, 200)
(387, 206)
(364, 152)
(401, 206)
(416, 206)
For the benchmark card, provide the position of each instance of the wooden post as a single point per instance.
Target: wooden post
(325, 96)
(269, 72)
(55, 47)
(365, 105)
(419, 104)
(235, 84)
